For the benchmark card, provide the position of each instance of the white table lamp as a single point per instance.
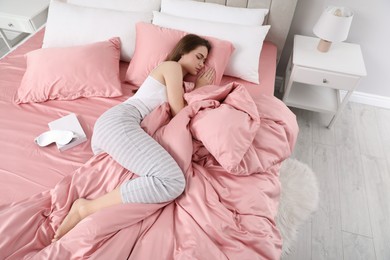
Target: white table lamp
(333, 26)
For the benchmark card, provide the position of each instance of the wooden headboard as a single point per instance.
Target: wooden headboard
(279, 17)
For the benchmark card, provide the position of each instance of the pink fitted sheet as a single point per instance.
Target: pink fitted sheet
(25, 168)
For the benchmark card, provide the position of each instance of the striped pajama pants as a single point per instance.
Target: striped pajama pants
(118, 133)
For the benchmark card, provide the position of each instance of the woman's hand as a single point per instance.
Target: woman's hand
(206, 77)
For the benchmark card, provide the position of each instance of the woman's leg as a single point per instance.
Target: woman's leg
(118, 133)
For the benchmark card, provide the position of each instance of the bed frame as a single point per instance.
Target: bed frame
(279, 17)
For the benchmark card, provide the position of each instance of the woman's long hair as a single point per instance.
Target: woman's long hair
(187, 44)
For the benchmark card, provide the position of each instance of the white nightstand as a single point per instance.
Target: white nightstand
(314, 79)
(18, 18)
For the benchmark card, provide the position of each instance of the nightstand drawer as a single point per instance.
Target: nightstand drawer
(326, 79)
(19, 25)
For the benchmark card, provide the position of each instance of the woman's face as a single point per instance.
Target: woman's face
(193, 62)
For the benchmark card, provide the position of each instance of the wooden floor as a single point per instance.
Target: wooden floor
(352, 163)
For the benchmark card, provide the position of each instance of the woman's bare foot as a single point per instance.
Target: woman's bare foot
(82, 208)
(77, 212)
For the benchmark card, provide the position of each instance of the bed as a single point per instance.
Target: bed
(230, 202)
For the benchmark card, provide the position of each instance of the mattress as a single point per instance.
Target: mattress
(27, 169)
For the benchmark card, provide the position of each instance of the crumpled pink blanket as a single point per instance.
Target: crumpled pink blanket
(230, 149)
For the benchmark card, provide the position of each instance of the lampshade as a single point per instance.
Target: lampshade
(333, 26)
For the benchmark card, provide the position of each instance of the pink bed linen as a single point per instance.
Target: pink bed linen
(25, 168)
(221, 215)
(28, 172)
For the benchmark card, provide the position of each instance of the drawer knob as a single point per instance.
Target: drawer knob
(10, 25)
(324, 81)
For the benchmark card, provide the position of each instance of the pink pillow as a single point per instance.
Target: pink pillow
(68, 73)
(154, 43)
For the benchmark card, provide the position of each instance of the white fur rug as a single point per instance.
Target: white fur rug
(299, 199)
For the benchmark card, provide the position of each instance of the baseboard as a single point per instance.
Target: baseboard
(370, 99)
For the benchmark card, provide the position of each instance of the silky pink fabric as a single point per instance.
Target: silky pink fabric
(68, 73)
(33, 199)
(219, 215)
(25, 168)
(156, 43)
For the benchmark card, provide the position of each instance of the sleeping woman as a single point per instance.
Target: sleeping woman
(118, 133)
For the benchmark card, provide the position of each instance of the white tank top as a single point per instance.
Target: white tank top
(151, 93)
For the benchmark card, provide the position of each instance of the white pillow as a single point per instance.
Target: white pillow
(247, 41)
(71, 25)
(214, 12)
(121, 5)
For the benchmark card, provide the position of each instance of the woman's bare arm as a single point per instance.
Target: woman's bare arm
(171, 75)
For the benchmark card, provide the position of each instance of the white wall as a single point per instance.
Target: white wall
(370, 29)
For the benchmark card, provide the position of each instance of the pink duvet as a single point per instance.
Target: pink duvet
(225, 212)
